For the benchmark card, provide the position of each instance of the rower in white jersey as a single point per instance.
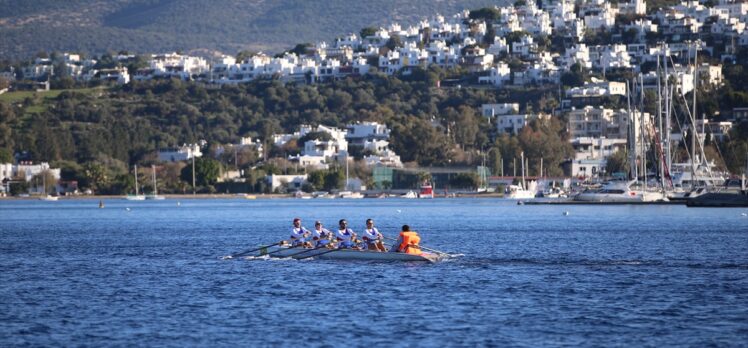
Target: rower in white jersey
(321, 237)
(372, 238)
(345, 236)
(299, 234)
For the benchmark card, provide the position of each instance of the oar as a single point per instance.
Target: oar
(282, 249)
(322, 253)
(420, 246)
(251, 250)
(307, 250)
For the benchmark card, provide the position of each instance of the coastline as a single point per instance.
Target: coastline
(247, 196)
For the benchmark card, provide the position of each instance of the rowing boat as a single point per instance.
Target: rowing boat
(346, 254)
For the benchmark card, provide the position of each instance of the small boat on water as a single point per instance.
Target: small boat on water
(137, 196)
(154, 195)
(346, 254)
(620, 192)
(410, 195)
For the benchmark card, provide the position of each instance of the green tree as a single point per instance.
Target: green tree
(618, 162)
(207, 171)
(394, 42)
(488, 14)
(576, 76)
(334, 180)
(316, 179)
(6, 156)
(368, 31)
(465, 180)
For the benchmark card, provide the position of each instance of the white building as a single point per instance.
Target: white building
(493, 110)
(597, 122)
(513, 123)
(26, 170)
(182, 153)
(358, 133)
(499, 75)
(290, 182)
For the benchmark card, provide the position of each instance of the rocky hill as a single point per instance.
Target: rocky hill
(97, 26)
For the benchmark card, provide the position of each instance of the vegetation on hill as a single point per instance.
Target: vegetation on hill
(97, 26)
(127, 125)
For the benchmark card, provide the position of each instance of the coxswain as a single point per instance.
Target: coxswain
(372, 238)
(407, 242)
(321, 237)
(299, 234)
(345, 236)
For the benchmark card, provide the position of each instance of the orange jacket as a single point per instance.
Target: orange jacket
(409, 243)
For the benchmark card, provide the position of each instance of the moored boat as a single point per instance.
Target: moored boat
(346, 254)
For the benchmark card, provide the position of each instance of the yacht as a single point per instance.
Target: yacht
(620, 192)
(523, 191)
(155, 195)
(518, 192)
(136, 196)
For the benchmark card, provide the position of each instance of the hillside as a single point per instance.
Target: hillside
(96, 26)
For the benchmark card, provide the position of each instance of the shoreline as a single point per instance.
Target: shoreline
(248, 196)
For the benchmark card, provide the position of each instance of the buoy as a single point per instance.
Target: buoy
(179, 203)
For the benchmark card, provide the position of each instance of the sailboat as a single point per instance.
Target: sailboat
(522, 191)
(631, 191)
(136, 196)
(155, 195)
(46, 197)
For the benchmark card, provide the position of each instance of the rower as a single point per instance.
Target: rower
(407, 242)
(372, 238)
(321, 236)
(299, 234)
(345, 236)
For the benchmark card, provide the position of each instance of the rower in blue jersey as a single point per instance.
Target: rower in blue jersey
(372, 238)
(321, 237)
(299, 234)
(345, 236)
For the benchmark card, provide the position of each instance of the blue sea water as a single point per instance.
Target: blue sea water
(75, 275)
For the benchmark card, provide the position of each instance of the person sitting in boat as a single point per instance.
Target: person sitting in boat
(345, 236)
(407, 242)
(321, 237)
(372, 238)
(299, 234)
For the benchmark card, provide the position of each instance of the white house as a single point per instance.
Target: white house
(290, 182)
(499, 75)
(358, 133)
(493, 110)
(513, 123)
(182, 153)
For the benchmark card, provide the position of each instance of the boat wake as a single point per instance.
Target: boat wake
(267, 258)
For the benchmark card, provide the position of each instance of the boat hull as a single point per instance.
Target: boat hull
(346, 254)
(719, 199)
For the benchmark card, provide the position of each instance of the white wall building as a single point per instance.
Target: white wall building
(182, 153)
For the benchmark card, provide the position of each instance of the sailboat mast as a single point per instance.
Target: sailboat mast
(155, 187)
(632, 134)
(522, 159)
(694, 133)
(136, 179)
(668, 106)
(659, 124)
(643, 129)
